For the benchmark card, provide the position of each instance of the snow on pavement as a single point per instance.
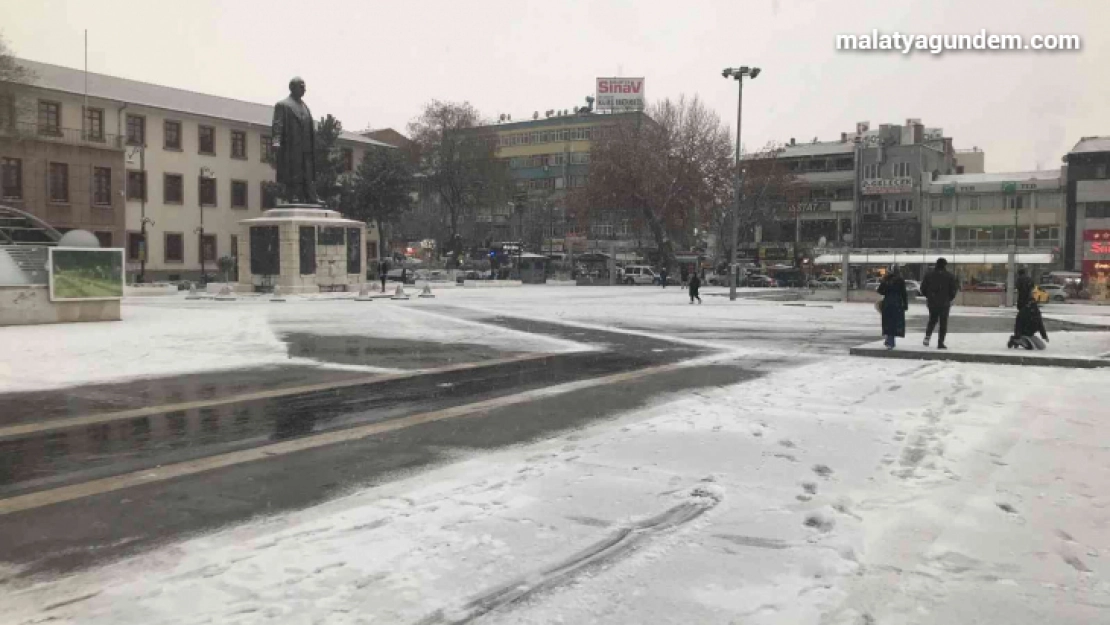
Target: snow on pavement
(172, 336)
(851, 491)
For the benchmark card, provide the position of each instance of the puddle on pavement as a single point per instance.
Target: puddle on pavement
(386, 353)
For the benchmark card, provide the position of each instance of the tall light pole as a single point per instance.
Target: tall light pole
(143, 219)
(737, 73)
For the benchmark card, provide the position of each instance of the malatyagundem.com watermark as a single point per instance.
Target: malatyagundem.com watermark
(936, 44)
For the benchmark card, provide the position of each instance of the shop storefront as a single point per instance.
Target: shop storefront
(1096, 263)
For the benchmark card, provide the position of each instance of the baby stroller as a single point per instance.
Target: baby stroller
(1027, 325)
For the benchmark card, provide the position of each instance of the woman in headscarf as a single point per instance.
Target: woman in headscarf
(894, 306)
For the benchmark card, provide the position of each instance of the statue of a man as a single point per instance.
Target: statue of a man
(294, 139)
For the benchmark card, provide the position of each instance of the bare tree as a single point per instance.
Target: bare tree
(12, 77)
(769, 189)
(457, 159)
(658, 170)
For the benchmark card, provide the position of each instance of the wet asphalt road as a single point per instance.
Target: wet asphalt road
(47, 539)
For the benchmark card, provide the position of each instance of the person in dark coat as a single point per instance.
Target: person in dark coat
(384, 269)
(1029, 321)
(695, 284)
(663, 277)
(939, 288)
(895, 304)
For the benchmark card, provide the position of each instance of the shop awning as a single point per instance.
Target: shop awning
(928, 258)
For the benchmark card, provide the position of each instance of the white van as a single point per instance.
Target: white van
(639, 274)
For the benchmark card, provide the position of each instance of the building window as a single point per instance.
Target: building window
(59, 182)
(136, 185)
(94, 124)
(238, 194)
(348, 159)
(136, 130)
(1015, 202)
(102, 186)
(171, 133)
(50, 118)
(265, 149)
(1097, 210)
(1100, 170)
(235, 247)
(871, 171)
(134, 246)
(207, 191)
(207, 137)
(104, 238)
(899, 206)
(872, 207)
(208, 247)
(11, 177)
(267, 194)
(173, 189)
(901, 170)
(238, 144)
(175, 247)
(941, 235)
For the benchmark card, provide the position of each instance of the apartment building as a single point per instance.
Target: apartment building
(188, 166)
(63, 170)
(546, 157)
(864, 190)
(1087, 235)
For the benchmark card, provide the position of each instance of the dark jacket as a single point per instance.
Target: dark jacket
(939, 287)
(1024, 288)
(695, 284)
(895, 303)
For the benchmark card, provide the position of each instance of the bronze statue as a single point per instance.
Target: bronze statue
(294, 139)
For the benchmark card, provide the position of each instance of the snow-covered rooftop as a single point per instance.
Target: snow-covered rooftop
(1092, 144)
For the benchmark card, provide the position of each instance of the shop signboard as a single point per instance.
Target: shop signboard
(883, 186)
(819, 206)
(890, 234)
(1096, 235)
(620, 94)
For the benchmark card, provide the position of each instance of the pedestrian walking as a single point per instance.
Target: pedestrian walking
(384, 269)
(663, 277)
(695, 285)
(894, 306)
(939, 288)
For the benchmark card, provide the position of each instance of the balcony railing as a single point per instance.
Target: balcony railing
(68, 136)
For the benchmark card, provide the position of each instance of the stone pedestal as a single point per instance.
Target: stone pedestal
(303, 248)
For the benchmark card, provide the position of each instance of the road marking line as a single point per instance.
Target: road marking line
(160, 474)
(71, 422)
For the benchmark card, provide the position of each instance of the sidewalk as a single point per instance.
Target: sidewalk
(1065, 349)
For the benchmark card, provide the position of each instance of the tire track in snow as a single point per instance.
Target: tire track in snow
(601, 554)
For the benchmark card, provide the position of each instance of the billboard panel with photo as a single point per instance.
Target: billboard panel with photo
(81, 274)
(620, 94)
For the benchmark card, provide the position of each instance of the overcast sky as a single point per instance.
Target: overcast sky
(374, 63)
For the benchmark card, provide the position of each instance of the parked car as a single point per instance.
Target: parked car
(1052, 292)
(989, 287)
(638, 274)
(759, 281)
(826, 282)
(394, 275)
(913, 288)
(873, 284)
(716, 279)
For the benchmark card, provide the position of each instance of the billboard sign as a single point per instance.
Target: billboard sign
(85, 274)
(877, 186)
(620, 94)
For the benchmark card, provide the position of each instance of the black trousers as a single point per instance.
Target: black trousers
(938, 314)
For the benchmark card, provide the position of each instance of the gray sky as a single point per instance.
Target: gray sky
(375, 63)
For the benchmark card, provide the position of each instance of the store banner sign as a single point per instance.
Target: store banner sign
(882, 186)
(1096, 235)
(620, 94)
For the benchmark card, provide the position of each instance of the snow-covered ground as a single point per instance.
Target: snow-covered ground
(169, 335)
(841, 491)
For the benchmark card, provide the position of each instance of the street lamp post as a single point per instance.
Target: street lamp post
(205, 174)
(143, 221)
(737, 73)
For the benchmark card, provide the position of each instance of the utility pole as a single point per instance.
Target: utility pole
(738, 74)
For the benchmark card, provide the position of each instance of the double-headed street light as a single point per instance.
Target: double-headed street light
(737, 73)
